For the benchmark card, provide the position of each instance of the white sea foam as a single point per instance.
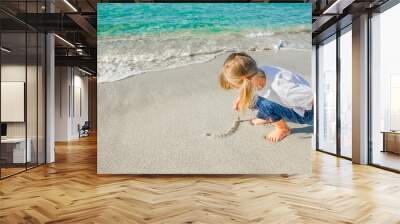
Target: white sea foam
(260, 34)
(122, 57)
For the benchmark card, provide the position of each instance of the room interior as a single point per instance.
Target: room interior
(22, 102)
(334, 59)
(25, 67)
(48, 172)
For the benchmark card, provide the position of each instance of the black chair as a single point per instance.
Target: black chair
(84, 130)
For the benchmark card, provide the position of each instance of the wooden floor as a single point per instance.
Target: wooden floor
(5, 172)
(387, 159)
(69, 191)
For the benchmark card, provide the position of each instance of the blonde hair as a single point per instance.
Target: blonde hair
(238, 69)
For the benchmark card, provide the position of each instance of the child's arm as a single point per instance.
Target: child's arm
(236, 104)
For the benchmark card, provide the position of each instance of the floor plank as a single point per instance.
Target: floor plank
(70, 191)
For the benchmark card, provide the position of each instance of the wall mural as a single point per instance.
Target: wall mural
(194, 88)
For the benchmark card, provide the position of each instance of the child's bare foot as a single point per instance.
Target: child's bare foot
(278, 134)
(259, 121)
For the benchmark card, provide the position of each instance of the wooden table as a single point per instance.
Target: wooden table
(391, 141)
(13, 150)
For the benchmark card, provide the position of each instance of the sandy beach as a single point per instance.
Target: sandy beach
(159, 120)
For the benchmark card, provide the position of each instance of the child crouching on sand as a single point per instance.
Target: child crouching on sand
(278, 94)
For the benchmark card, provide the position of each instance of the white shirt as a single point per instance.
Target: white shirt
(287, 89)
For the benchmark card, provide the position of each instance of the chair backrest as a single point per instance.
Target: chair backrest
(86, 124)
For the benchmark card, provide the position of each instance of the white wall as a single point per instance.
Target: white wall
(34, 125)
(70, 81)
(79, 117)
(13, 101)
(12, 73)
(62, 81)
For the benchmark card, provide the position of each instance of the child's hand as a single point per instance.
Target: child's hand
(236, 104)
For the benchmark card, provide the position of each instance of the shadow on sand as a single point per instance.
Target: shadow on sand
(306, 131)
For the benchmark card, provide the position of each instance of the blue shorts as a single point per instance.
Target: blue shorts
(271, 110)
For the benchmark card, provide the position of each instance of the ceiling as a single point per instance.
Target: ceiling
(74, 22)
(330, 15)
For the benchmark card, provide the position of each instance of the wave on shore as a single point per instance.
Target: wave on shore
(122, 56)
(138, 38)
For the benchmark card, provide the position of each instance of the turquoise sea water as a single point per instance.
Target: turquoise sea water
(121, 19)
(135, 38)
